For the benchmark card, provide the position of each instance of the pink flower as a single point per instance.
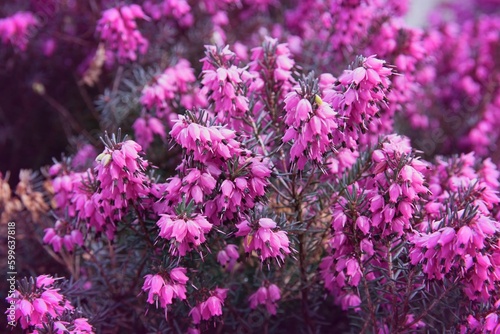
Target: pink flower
(166, 286)
(225, 83)
(211, 307)
(265, 238)
(363, 224)
(311, 130)
(177, 10)
(82, 326)
(35, 307)
(357, 97)
(61, 235)
(185, 233)
(118, 30)
(200, 140)
(273, 62)
(121, 173)
(351, 301)
(146, 128)
(175, 85)
(228, 256)
(267, 296)
(15, 29)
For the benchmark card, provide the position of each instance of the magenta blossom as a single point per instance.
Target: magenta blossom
(166, 286)
(267, 296)
(185, 233)
(211, 307)
(265, 238)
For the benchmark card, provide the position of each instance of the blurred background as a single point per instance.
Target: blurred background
(419, 11)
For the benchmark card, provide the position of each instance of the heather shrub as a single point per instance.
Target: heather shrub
(246, 166)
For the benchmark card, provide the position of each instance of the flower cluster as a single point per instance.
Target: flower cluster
(205, 143)
(62, 234)
(16, 29)
(371, 214)
(273, 63)
(488, 324)
(408, 48)
(145, 128)
(178, 10)
(311, 128)
(228, 256)
(358, 96)
(185, 232)
(98, 197)
(267, 296)
(396, 187)
(211, 307)
(229, 181)
(244, 186)
(265, 238)
(38, 302)
(120, 172)
(464, 85)
(118, 29)
(166, 286)
(67, 323)
(463, 242)
(76, 200)
(225, 83)
(171, 91)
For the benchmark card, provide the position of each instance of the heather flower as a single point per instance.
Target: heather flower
(63, 186)
(205, 142)
(185, 232)
(350, 301)
(84, 157)
(383, 231)
(358, 97)
(166, 286)
(267, 296)
(72, 197)
(230, 179)
(145, 128)
(172, 90)
(487, 323)
(225, 83)
(398, 184)
(36, 301)
(411, 59)
(63, 234)
(312, 124)
(195, 185)
(178, 10)
(120, 172)
(245, 185)
(118, 29)
(211, 307)
(215, 55)
(460, 248)
(375, 210)
(97, 197)
(461, 243)
(265, 238)
(228, 256)
(273, 62)
(67, 323)
(15, 29)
